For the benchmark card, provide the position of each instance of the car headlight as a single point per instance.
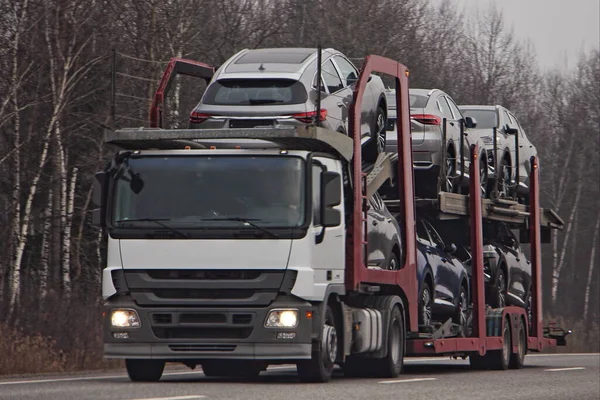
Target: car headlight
(125, 319)
(282, 319)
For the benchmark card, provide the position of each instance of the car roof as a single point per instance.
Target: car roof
(293, 60)
(478, 107)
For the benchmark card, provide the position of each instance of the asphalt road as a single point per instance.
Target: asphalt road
(544, 376)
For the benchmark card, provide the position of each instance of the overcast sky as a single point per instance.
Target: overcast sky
(559, 29)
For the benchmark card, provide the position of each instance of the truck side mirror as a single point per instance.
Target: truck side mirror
(331, 192)
(98, 197)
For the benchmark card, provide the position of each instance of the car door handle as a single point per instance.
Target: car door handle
(444, 259)
(388, 220)
(340, 104)
(374, 222)
(518, 259)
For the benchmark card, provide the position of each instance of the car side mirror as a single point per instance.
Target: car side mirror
(510, 129)
(331, 196)
(470, 122)
(450, 248)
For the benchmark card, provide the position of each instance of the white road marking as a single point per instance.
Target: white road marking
(172, 398)
(88, 378)
(409, 380)
(564, 369)
(564, 355)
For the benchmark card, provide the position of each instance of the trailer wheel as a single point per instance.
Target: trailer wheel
(495, 359)
(144, 370)
(518, 359)
(320, 367)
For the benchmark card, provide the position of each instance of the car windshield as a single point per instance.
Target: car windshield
(244, 92)
(486, 119)
(416, 100)
(213, 192)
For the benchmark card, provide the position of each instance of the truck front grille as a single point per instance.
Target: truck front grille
(202, 347)
(202, 333)
(215, 288)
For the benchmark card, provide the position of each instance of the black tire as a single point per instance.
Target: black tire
(376, 144)
(499, 289)
(425, 304)
(461, 316)
(518, 359)
(235, 369)
(144, 370)
(392, 364)
(501, 358)
(320, 367)
(495, 359)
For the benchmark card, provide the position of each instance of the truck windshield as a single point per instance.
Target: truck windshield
(213, 192)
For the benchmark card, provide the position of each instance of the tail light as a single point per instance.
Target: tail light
(308, 117)
(196, 117)
(427, 119)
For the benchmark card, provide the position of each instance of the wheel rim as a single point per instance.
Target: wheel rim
(380, 133)
(522, 342)
(393, 264)
(505, 178)
(506, 344)
(463, 311)
(395, 340)
(529, 310)
(501, 288)
(449, 172)
(426, 311)
(330, 343)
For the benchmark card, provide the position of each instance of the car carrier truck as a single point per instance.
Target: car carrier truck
(256, 256)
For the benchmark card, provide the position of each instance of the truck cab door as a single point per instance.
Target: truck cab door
(326, 246)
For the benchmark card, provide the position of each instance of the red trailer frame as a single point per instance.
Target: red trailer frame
(176, 66)
(358, 276)
(361, 279)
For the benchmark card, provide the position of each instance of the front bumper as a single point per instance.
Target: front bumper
(203, 333)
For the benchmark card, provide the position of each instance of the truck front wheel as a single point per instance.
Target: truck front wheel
(320, 367)
(144, 370)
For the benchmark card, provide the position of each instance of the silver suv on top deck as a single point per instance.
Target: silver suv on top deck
(278, 86)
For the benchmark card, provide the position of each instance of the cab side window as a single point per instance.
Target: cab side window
(316, 194)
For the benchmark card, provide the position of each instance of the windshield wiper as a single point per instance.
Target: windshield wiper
(264, 101)
(158, 222)
(246, 220)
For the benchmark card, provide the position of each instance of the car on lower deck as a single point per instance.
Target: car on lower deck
(444, 289)
(509, 163)
(384, 248)
(278, 86)
(506, 268)
(428, 108)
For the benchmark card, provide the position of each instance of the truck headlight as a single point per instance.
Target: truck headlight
(282, 319)
(125, 318)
